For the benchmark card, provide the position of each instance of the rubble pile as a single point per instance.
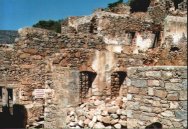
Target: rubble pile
(96, 113)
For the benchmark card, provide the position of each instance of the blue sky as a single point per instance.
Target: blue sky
(15, 14)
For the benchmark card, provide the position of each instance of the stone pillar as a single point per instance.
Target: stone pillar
(66, 95)
(5, 97)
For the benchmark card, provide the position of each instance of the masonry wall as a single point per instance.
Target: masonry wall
(157, 94)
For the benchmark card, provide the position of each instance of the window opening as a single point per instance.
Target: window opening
(86, 80)
(117, 79)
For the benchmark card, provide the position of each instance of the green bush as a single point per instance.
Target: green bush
(139, 5)
(111, 5)
(49, 25)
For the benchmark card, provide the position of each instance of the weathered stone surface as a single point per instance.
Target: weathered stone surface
(139, 83)
(167, 113)
(153, 83)
(160, 93)
(156, 74)
(173, 97)
(173, 86)
(182, 95)
(181, 114)
(133, 90)
(99, 125)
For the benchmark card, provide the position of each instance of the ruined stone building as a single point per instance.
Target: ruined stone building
(112, 69)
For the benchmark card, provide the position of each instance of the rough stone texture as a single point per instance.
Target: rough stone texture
(162, 103)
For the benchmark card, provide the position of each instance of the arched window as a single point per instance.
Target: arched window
(86, 80)
(117, 79)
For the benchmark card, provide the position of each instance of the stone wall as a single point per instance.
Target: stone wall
(176, 28)
(157, 94)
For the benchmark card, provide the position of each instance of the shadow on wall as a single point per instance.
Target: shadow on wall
(155, 125)
(17, 120)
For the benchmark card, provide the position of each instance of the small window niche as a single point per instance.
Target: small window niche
(86, 80)
(117, 79)
(10, 97)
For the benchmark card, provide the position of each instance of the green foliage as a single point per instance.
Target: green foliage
(49, 25)
(138, 5)
(111, 5)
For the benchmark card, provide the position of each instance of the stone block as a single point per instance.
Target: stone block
(173, 97)
(167, 75)
(133, 90)
(156, 110)
(143, 91)
(145, 118)
(183, 105)
(174, 105)
(160, 93)
(181, 114)
(173, 86)
(132, 123)
(129, 113)
(175, 80)
(146, 109)
(139, 83)
(184, 84)
(153, 83)
(24, 55)
(183, 95)
(167, 114)
(150, 91)
(129, 96)
(155, 74)
(117, 126)
(156, 103)
(99, 125)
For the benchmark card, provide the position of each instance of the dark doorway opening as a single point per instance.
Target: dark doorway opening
(117, 79)
(176, 2)
(17, 120)
(86, 80)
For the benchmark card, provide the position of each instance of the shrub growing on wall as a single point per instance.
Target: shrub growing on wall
(139, 5)
(49, 25)
(111, 5)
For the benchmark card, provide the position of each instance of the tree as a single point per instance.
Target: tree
(139, 5)
(49, 25)
(111, 5)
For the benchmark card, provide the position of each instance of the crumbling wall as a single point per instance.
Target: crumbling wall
(175, 27)
(8, 78)
(62, 87)
(32, 51)
(157, 94)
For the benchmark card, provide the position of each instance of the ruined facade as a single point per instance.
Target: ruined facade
(111, 69)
